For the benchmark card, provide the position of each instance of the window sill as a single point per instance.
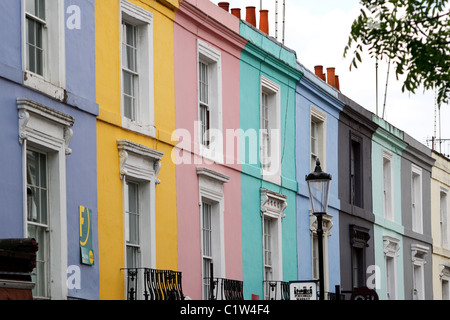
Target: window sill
(212, 153)
(273, 177)
(142, 128)
(38, 83)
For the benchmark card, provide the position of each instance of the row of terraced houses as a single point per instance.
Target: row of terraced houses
(158, 149)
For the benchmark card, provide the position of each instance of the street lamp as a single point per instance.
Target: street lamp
(319, 189)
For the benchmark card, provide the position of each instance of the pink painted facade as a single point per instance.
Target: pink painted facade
(200, 23)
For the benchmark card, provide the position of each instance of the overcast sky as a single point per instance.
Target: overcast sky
(318, 31)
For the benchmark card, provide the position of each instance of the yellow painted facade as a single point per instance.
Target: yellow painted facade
(440, 181)
(109, 130)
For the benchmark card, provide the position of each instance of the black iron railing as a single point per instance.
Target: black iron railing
(334, 296)
(224, 289)
(152, 284)
(276, 290)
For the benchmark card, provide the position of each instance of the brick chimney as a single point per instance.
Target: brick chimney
(236, 12)
(224, 5)
(336, 83)
(264, 21)
(331, 77)
(251, 16)
(319, 72)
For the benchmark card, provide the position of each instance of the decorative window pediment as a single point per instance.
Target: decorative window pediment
(418, 253)
(211, 183)
(273, 204)
(444, 270)
(43, 125)
(327, 223)
(138, 161)
(391, 246)
(359, 236)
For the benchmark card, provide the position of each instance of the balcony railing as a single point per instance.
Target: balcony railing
(276, 290)
(334, 296)
(152, 284)
(224, 289)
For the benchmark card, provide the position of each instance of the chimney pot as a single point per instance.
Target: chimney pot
(319, 72)
(336, 85)
(264, 21)
(331, 77)
(224, 5)
(251, 16)
(236, 12)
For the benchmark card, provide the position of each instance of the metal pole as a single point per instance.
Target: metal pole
(211, 282)
(320, 243)
(376, 86)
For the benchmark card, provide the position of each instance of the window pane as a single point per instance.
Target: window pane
(36, 8)
(128, 107)
(37, 196)
(32, 168)
(206, 229)
(39, 275)
(133, 213)
(40, 12)
(39, 62)
(35, 54)
(132, 257)
(31, 31)
(128, 84)
(30, 6)
(203, 83)
(133, 197)
(129, 47)
(129, 95)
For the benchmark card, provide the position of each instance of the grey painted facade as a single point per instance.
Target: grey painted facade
(417, 239)
(356, 215)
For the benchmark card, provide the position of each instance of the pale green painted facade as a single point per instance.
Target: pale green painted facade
(387, 141)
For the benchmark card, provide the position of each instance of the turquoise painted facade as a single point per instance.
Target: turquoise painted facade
(264, 58)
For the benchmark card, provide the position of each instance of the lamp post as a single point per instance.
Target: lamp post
(318, 183)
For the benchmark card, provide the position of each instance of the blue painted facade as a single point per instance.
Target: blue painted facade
(314, 96)
(78, 102)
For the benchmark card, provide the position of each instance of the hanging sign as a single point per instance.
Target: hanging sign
(303, 290)
(87, 255)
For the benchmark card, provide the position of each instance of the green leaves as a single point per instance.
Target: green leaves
(413, 34)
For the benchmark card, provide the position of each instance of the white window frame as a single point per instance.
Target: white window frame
(319, 118)
(141, 165)
(145, 105)
(49, 131)
(444, 218)
(391, 251)
(53, 80)
(418, 254)
(273, 205)
(327, 225)
(211, 191)
(213, 58)
(270, 137)
(416, 199)
(388, 185)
